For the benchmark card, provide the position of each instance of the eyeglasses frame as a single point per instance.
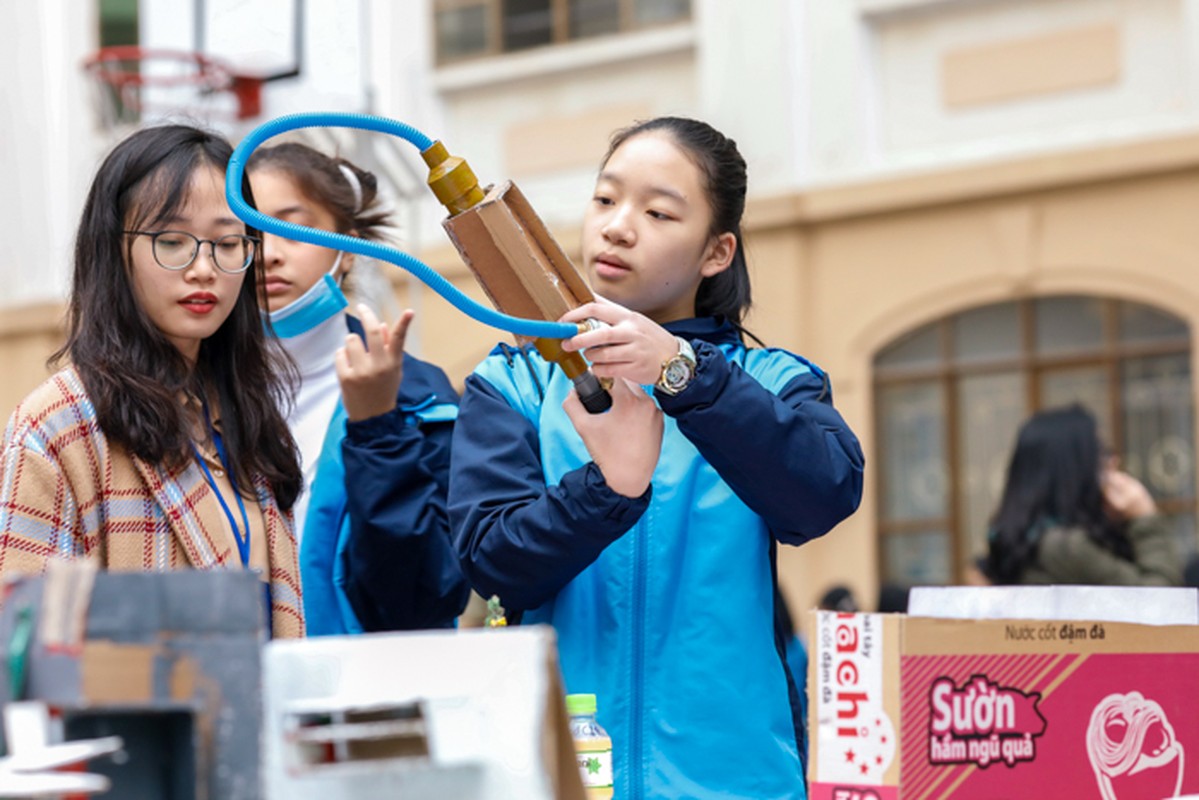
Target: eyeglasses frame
(254, 241)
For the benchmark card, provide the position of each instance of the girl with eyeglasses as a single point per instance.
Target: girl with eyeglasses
(373, 424)
(160, 445)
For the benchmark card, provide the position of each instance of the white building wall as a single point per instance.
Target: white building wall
(878, 71)
(45, 145)
(751, 86)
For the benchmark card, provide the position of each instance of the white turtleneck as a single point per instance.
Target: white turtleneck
(313, 352)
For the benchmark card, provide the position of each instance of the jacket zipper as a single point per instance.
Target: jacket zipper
(636, 772)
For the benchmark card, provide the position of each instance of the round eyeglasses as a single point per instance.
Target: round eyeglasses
(176, 250)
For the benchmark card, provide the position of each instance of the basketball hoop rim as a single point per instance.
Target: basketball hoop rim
(210, 73)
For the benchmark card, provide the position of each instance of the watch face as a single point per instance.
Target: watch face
(677, 374)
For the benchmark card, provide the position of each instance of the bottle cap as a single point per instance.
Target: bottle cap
(577, 704)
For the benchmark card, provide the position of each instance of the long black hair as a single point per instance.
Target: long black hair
(727, 293)
(1052, 480)
(134, 375)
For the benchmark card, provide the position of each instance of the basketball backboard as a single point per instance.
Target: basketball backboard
(261, 39)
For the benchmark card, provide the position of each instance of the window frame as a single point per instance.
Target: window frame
(560, 27)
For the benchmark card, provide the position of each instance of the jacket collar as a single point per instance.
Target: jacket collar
(715, 330)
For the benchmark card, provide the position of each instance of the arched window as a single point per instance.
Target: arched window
(951, 395)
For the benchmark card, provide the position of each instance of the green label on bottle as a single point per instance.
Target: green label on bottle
(595, 768)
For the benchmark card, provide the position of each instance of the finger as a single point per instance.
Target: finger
(615, 371)
(341, 364)
(634, 389)
(605, 371)
(400, 332)
(1119, 483)
(601, 309)
(1118, 500)
(574, 409)
(622, 393)
(636, 392)
(368, 317)
(355, 351)
(579, 314)
(375, 336)
(582, 341)
(1130, 480)
(621, 333)
(613, 354)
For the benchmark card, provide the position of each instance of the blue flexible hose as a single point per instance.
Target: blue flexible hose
(354, 244)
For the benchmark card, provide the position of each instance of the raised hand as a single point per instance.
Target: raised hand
(631, 345)
(1125, 496)
(625, 441)
(370, 374)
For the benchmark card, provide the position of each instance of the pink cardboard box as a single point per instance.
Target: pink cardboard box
(913, 708)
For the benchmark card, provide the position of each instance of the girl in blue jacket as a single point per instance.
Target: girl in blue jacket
(646, 535)
(373, 424)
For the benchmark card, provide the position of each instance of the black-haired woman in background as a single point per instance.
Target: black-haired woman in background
(1069, 516)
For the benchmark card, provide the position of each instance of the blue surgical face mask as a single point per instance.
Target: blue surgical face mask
(323, 301)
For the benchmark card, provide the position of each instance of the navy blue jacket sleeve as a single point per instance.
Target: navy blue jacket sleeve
(517, 537)
(790, 457)
(402, 571)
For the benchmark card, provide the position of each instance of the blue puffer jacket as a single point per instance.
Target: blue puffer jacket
(376, 553)
(663, 604)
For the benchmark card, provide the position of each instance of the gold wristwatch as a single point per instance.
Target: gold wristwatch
(678, 370)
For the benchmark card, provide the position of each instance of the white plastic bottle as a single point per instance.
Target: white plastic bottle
(592, 746)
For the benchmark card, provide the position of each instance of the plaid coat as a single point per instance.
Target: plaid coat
(66, 491)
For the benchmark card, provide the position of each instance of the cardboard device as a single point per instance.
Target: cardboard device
(525, 274)
(518, 263)
(916, 708)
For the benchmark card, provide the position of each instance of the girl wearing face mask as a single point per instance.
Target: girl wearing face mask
(160, 444)
(647, 535)
(373, 424)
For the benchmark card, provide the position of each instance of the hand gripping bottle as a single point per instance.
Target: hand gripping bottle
(592, 745)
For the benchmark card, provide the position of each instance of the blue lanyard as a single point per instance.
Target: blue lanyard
(243, 541)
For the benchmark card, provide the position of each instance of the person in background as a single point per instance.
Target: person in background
(893, 598)
(160, 444)
(647, 535)
(1068, 515)
(373, 424)
(838, 598)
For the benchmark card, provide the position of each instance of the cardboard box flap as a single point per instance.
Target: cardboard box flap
(1145, 605)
